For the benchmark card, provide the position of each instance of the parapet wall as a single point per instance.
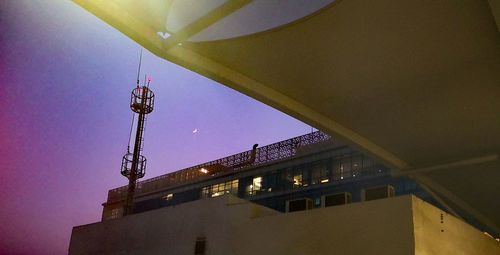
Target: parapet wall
(401, 226)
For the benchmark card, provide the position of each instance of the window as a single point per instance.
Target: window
(287, 176)
(297, 177)
(342, 169)
(257, 183)
(297, 180)
(367, 162)
(357, 165)
(256, 186)
(346, 168)
(306, 172)
(270, 182)
(317, 202)
(116, 213)
(220, 189)
(168, 197)
(320, 174)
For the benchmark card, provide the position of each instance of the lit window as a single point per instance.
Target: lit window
(116, 213)
(168, 197)
(255, 186)
(220, 189)
(257, 183)
(297, 180)
(234, 185)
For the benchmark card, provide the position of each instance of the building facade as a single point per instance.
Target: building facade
(305, 195)
(402, 225)
(313, 170)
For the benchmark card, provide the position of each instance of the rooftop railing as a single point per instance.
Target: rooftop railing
(237, 162)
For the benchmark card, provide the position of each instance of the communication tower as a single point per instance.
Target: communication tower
(133, 163)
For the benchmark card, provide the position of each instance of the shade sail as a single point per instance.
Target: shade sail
(413, 83)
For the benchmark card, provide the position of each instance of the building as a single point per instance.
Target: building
(412, 83)
(305, 167)
(272, 199)
(401, 225)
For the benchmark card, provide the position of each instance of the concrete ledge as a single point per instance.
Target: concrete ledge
(400, 225)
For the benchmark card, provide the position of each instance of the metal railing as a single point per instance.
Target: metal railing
(237, 162)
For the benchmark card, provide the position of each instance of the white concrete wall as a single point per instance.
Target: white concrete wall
(377, 227)
(437, 232)
(234, 226)
(171, 230)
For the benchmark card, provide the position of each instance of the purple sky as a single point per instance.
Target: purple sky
(66, 78)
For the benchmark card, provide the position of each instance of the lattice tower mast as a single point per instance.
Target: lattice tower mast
(134, 164)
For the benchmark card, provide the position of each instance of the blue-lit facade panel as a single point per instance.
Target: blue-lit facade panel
(312, 176)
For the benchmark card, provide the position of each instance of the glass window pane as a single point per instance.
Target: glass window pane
(297, 180)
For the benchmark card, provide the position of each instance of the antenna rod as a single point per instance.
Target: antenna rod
(139, 69)
(149, 80)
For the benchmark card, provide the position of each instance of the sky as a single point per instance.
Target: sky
(66, 78)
